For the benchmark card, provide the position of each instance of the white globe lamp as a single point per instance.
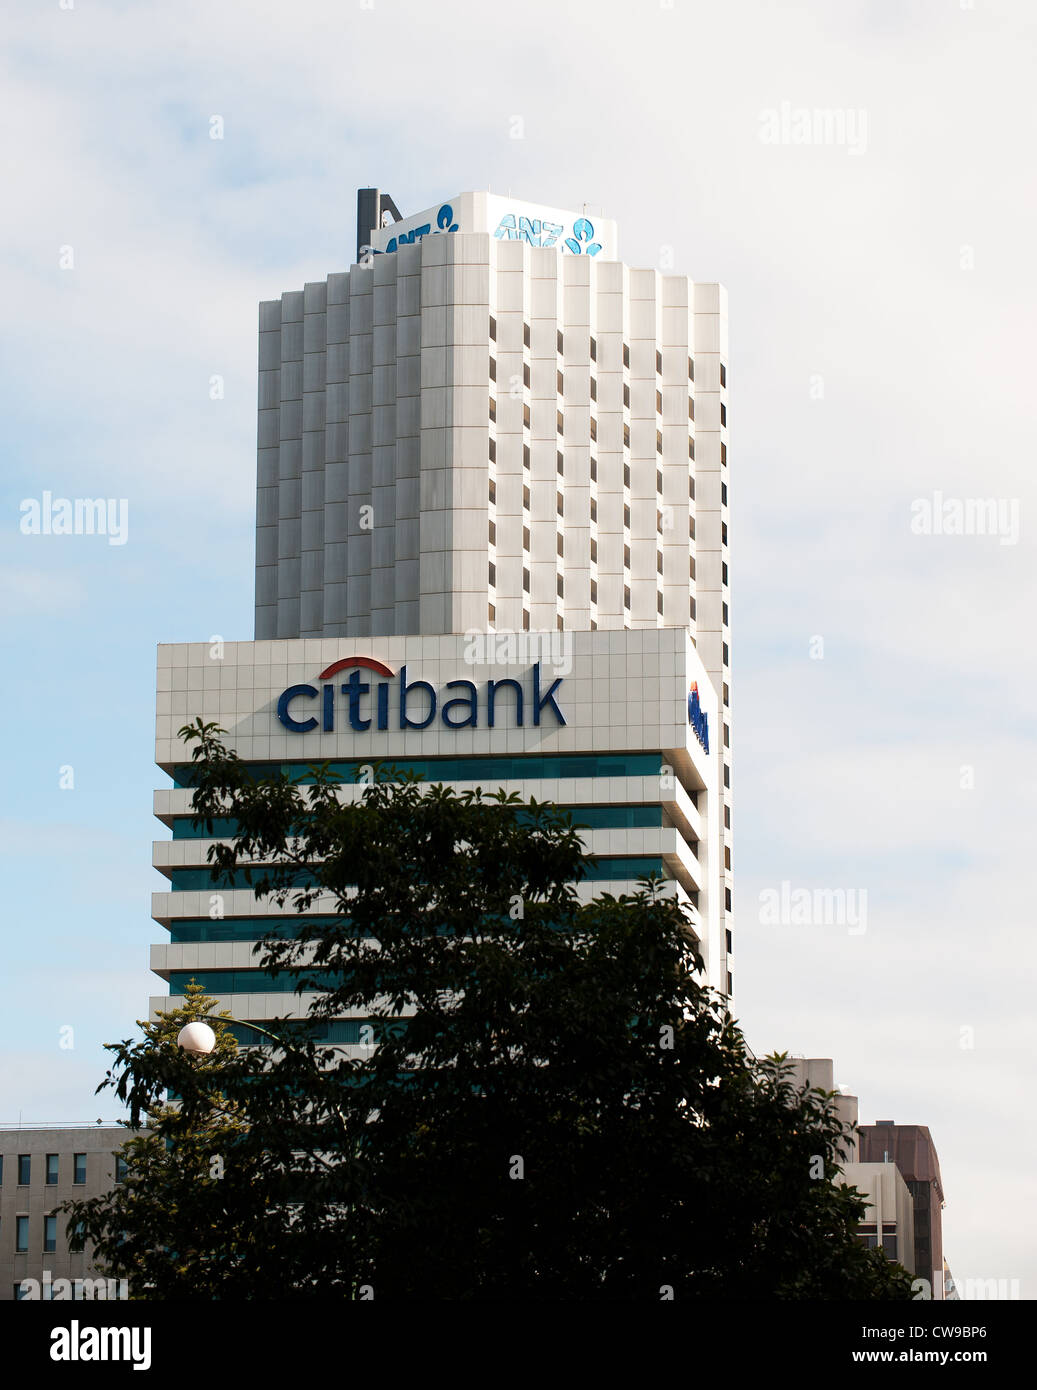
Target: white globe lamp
(198, 1039)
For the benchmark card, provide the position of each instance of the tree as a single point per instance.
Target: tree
(552, 1105)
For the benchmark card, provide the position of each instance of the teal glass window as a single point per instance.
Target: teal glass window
(50, 1234)
(24, 1169)
(52, 1169)
(79, 1168)
(21, 1234)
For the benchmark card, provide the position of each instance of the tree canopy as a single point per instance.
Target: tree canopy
(546, 1102)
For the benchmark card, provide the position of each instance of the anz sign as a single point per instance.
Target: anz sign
(503, 219)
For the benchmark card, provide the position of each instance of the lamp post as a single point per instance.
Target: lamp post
(198, 1039)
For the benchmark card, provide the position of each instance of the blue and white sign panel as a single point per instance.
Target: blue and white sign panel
(506, 219)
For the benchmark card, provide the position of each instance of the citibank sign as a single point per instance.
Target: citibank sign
(374, 694)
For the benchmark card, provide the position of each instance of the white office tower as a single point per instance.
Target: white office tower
(490, 427)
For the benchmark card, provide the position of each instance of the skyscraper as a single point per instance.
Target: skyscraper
(491, 543)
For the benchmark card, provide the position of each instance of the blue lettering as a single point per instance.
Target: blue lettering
(405, 689)
(471, 704)
(548, 698)
(297, 726)
(491, 694)
(355, 688)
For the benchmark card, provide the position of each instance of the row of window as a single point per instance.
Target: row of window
(560, 344)
(198, 880)
(50, 1235)
(51, 1169)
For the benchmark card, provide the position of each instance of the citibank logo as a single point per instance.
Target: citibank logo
(362, 703)
(697, 717)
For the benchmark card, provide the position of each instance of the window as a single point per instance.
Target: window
(727, 735)
(658, 442)
(691, 448)
(724, 612)
(24, 1169)
(730, 983)
(626, 354)
(561, 587)
(492, 533)
(560, 504)
(723, 572)
(1, 1168)
(561, 463)
(79, 1168)
(659, 602)
(626, 595)
(493, 410)
(727, 694)
(594, 350)
(493, 369)
(594, 388)
(525, 456)
(525, 538)
(493, 575)
(121, 1168)
(691, 609)
(727, 775)
(594, 591)
(658, 481)
(626, 557)
(491, 613)
(626, 475)
(75, 1240)
(723, 375)
(493, 450)
(52, 1169)
(525, 334)
(626, 394)
(525, 498)
(493, 329)
(561, 422)
(594, 551)
(691, 488)
(594, 509)
(658, 402)
(723, 453)
(50, 1234)
(560, 547)
(658, 362)
(525, 620)
(626, 435)
(493, 491)
(560, 383)
(691, 370)
(525, 414)
(691, 407)
(594, 470)
(561, 342)
(659, 561)
(594, 429)
(525, 580)
(727, 934)
(626, 517)
(723, 533)
(727, 662)
(525, 373)
(727, 857)
(21, 1234)
(691, 566)
(723, 413)
(723, 494)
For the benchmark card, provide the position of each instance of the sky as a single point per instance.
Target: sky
(859, 177)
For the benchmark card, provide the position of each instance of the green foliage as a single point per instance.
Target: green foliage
(566, 1112)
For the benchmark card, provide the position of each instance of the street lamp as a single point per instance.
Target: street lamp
(198, 1039)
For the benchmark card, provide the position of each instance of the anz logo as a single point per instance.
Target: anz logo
(536, 231)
